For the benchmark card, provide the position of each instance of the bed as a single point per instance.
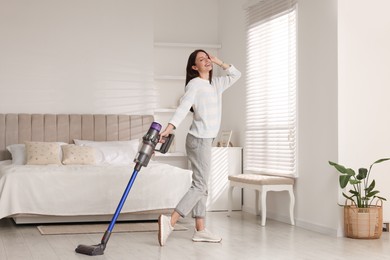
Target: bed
(75, 191)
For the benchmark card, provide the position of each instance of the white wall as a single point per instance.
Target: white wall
(316, 188)
(73, 56)
(364, 91)
(232, 34)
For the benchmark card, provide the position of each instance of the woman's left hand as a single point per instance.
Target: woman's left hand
(215, 60)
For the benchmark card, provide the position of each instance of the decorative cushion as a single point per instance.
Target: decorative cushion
(18, 153)
(43, 153)
(261, 179)
(74, 154)
(112, 152)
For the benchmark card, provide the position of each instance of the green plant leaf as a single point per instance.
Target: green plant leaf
(381, 198)
(338, 167)
(362, 174)
(372, 193)
(355, 193)
(343, 179)
(371, 187)
(354, 182)
(350, 172)
(348, 197)
(381, 160)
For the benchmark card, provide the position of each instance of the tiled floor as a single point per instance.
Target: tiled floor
(243, 238)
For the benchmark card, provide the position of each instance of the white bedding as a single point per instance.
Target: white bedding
(69, 190)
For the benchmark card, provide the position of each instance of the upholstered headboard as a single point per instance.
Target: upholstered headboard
(18, 128)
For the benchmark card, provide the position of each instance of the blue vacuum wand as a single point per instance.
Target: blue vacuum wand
(149, 143)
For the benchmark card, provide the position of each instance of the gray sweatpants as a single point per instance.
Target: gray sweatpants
(199, 154)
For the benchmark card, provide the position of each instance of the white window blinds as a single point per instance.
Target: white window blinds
(271, 88)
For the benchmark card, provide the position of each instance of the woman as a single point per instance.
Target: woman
(203, 96)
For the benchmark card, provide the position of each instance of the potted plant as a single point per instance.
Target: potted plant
(363, 214)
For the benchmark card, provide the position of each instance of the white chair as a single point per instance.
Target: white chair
(263, 184)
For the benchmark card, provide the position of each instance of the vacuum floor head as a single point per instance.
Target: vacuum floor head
(90, 250)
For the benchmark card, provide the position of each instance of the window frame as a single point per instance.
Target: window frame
(278, 152)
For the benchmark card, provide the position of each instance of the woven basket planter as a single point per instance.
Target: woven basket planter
(364, 223)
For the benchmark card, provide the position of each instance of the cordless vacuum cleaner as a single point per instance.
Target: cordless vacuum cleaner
(149, 142)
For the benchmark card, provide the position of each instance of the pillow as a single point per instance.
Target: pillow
(113, 152)
(42, 153)
(74, 154)
(18, 153)
(6, 162)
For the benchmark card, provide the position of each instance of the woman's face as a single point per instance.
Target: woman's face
(202, 62)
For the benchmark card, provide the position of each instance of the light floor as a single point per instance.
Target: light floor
(243, 238)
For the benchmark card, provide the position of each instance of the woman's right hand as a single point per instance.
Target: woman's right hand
(168, 130)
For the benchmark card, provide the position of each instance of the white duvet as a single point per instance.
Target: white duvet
(69, 190)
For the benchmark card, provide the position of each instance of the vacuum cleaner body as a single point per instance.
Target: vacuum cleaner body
(145, 152)
(149, 143)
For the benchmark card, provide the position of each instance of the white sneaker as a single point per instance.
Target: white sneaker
(165, 229)
(205, 236)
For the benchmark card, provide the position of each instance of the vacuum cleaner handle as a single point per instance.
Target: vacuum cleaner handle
(167, 144)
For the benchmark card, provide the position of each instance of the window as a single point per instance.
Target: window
(271, 88)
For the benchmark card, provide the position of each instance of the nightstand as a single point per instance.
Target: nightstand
(178, 159)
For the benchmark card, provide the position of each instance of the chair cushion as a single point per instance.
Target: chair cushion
(261, 179)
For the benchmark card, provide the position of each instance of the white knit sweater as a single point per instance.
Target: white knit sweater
(206, 99)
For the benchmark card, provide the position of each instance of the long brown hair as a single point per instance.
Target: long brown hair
(191, 73)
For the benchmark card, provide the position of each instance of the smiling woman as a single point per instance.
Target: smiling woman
(203, 95)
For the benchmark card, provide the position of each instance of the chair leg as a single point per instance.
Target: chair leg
(263, 206)
(257, 202)
(292, 203)
(230, 200)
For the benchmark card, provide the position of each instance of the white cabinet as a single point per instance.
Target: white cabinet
(225, 161)
(177, 159)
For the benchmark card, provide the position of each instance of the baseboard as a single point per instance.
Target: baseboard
(250, 210)
(134, 216)
(316, 228)
(299, 223)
